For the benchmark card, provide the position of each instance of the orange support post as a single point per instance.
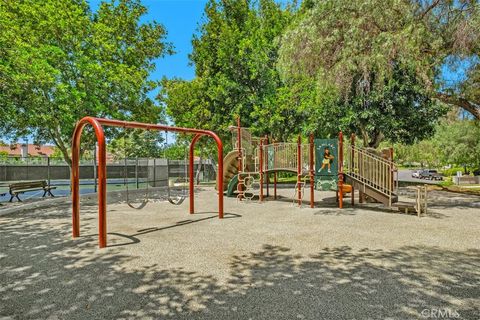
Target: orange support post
(352, 162)
(97, 124)
(275, 185)
(268, 181)
(299, 169)
(275, 178)
(102, 179)
(191, 177)
(340, 170)
(261, 169)
(312, 169)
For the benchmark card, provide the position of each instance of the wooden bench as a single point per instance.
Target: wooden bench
(21, 187)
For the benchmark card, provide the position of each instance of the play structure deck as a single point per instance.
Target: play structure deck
(320, 164)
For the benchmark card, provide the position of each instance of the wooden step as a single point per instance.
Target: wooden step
(373, 193)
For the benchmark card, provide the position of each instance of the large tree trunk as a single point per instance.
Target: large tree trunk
(472, 107)
(373, 139)
(376, 139)
(61, 145)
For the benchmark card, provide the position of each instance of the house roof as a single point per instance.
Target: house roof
(33, 150)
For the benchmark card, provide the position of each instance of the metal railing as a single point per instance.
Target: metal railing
(284, 156)
(249, 142)
(372, 170)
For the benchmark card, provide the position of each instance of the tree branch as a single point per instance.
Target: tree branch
(463, 103)
(429, 8)
(57, 139)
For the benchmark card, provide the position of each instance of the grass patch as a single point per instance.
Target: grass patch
(447, 183)
(475, 190)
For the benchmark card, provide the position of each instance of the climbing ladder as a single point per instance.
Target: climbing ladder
(300, 190)
(248, 185)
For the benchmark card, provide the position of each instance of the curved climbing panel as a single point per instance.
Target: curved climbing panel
(230, 168)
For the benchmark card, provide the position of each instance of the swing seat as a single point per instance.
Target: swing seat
(176, 200)
(140, 206)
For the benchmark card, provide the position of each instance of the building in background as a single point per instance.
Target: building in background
(23, 150)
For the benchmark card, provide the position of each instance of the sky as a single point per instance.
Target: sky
(181, 19)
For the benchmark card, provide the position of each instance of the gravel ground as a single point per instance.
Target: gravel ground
(263, 261)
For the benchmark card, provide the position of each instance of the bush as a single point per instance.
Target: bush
(453, 171)
(446, 183)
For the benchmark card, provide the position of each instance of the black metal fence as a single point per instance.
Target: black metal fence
(156, 171)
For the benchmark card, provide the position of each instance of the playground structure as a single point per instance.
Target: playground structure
(253, 159)
(258, 158)
(246, 169)
(98, 124)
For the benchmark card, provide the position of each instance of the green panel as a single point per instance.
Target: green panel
(270, 157)
(326, 183)
(232, 186)
(326, 164)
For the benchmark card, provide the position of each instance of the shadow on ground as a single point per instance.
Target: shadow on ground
(43, 274)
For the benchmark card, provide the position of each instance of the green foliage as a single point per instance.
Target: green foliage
(378, 62)
(452, 171)
(135, 143)
(447, 183)
(60, 62)
(57, 153)
(235, 54)
(176, 151)
(419, 154)
(459, 143)
(399, 111)
(454, 143)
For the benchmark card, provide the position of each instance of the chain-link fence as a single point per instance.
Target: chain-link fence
(136, 172)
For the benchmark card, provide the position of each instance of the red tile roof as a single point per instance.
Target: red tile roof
(33, 150)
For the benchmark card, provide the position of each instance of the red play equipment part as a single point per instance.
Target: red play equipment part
(261, 169)
(311, 154)
(340, 170)
(299, 169)
(97, 124)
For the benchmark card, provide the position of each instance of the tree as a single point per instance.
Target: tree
(61, 62)
(455, 142)
(399, 111)
(357, 46)
(235, 54)
(458, 143)
(176, 151)
(135, 143)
